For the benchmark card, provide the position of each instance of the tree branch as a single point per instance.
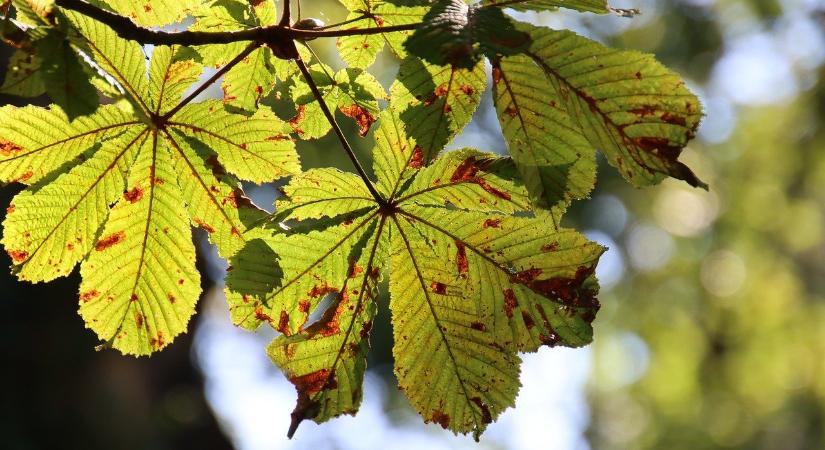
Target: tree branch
(285, 17)
(127, 29)
(331, 118)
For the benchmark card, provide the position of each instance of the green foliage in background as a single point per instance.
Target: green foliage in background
(125, 163)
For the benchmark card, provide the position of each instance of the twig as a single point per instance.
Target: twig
(249, 49)
(285, 17)
(331, 118)
(127, 29)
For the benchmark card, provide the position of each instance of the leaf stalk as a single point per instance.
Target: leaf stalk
(340, 134)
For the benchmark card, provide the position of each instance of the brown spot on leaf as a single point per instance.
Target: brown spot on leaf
(644, 110)
(526, 276)
(303, 306)
(528, 320)
(461, 257)
(227, 97)
(551, 247)
(25, 176)
(438, 287)
(362, 117)
(497, 73)
(365, 329)
(299, 117)
(441, 418)
(549, 339)
(478, 326)
(467, 89)
(110, 240)
(261, 315)
(171, 298)
(492, 223)
(319, 290)
(417, 159)
(9, 148)
(157, 341)
(138, 320)
(331, 318)
(313, 382)
(674, 119)
(134, 194)
(206, 227)
(486, 417)
(511, 111)
(133, 297)
(468, 171)
(10, 208)
(354, 270)
(510, 302)
(283, 323)
(658, 146)
(375, 272)
(236, 199)
(570, 291)
(86, 297)
(18, 255)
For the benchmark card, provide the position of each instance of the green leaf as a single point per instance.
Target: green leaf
(123, 60)
(459, 34)
(555, 160)
(162, 174)
(361, 51)
(256, 148)
(36, 141)
(68, 211)
(353, 92)
(169, 78)
(140, 284)
(65, 79)
(246, 84)
(214, 199)
(436, 102)
(477, 182)
(465, 297)
(46, 61)
(596, 6)
(154, 13)
(34, 12)
(22, 76)
(319, 193)
(629, 106)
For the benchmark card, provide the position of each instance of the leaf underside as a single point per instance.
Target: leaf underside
(477, 265)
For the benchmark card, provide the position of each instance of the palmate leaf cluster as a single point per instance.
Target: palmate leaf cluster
(469, 243)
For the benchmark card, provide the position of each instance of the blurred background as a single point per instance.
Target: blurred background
(711, 333)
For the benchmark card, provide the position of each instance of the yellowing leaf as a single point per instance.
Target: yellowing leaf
(361, 51)
(474, 279)
(165, 169)
(140, 284)
(629, 106)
